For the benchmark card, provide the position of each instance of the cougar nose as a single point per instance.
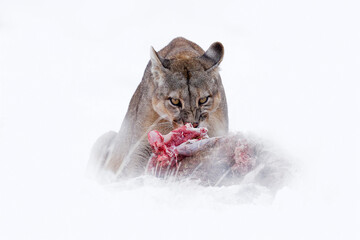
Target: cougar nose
(195, 124)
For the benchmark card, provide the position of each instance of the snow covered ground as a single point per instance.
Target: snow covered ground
(69, 68)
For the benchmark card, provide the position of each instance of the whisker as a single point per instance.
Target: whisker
(126, 160)
(177, 171)
(222, 177)
(167, 170)
(171, 175)
(197, 167)
(159, 173)
(157, 164)
(147, 165)
(153, 171)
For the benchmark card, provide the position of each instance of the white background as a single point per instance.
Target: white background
(69, 68)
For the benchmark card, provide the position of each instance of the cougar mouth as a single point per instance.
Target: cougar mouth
(180, 123)
(177, 122)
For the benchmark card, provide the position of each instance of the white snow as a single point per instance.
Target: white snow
(69, 68)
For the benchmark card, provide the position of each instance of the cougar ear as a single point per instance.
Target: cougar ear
(213, 56)
(158, 61)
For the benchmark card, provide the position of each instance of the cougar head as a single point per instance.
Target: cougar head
(187, 87)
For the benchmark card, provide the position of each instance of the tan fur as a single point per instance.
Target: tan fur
(181, 70)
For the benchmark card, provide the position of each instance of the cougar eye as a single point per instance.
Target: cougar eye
(175, 102)
(203, 100)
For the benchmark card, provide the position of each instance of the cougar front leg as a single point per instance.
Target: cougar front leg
(100, 153)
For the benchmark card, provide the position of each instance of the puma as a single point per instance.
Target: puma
(181, 84)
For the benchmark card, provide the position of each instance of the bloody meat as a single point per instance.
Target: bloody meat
(165, 147)
(190, 152)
